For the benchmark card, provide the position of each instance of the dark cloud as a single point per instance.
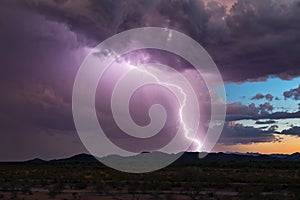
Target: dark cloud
(260, 96)
(238, 108)
(269, 97)
(263, 37)
(263, 127)
(60, 1)
(295, 130)
(237, 111)
(275, 115)
(256, 39)
(292, 94)
(38, 107)
(36, 122)
(273, 128)
(235, 133)
(265, 122)
(39, 59)
(265, 108)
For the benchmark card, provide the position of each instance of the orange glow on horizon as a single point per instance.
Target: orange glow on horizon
(288, 145)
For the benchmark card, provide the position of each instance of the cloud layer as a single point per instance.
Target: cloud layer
(252, 41)
(236, 133)
(44, 42)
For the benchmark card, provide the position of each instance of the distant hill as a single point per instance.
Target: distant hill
(187, 157)
(36, 160)
(294, 156)
(219, 157)
(77, 158)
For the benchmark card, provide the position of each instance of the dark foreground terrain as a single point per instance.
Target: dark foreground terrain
(218, 176)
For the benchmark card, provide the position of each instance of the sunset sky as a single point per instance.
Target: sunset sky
(254, 43)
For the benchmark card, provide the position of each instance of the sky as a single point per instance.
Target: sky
(254, 43)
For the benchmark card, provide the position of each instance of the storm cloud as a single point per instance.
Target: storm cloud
(44, 42)
(254, 40)
(236, 133)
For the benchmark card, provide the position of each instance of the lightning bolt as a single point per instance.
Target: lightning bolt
(186, 130)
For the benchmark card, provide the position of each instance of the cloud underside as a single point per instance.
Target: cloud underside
(254, 40)
(236, 133)
(295, 131)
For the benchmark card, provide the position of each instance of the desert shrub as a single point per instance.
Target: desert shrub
(165, 186)
(14, 196)
(26, 189)
(56, 189)
(100, 186)
(170, 197)
(155, 196)
(81, 185)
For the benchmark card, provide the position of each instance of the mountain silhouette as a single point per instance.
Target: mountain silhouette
(187, 157)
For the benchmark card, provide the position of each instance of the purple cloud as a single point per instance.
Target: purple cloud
(269, 97)
(260, 96)
(243, 50)
(237, 111)
(236, 133)
(292, 94)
